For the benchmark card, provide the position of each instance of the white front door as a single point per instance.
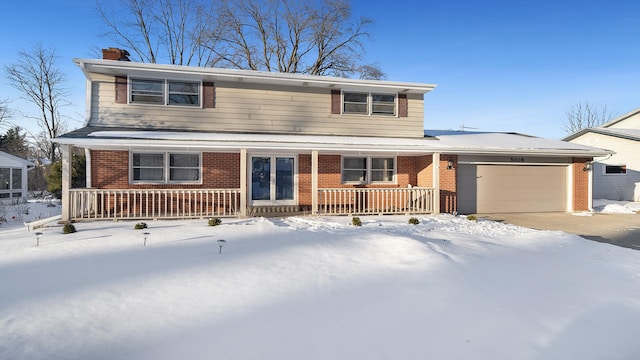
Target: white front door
(273, 180)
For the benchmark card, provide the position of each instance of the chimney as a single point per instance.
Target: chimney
(115, 54)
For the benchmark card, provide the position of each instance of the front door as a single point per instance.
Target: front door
(273, 180)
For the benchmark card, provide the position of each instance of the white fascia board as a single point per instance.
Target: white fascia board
(113, 67)
(124, 144)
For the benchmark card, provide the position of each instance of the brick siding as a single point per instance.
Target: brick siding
(580, 185)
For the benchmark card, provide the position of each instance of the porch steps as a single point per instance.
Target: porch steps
(278, 211)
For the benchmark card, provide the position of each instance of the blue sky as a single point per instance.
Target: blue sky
(499, 65)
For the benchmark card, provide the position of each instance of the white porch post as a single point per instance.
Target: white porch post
(314, 182)
(66, 181)
(436, 183)
(243, 182)
(87, 156)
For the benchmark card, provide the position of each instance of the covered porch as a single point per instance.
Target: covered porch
(259, 176)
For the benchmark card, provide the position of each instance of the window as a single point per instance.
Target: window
(165, 92)
(383, 104)
(165, 167)
(368, 104)
(368, 169)
(356, 103)
(382, 169)
(10, 182)
(354, 169)
(147, 91)
(615, 169)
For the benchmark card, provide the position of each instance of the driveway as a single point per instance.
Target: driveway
(617, 229)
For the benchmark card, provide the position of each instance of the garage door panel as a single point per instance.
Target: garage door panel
(511, 188)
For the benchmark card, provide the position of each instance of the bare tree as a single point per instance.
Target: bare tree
(297, 36)
(5, 112)
(317, 37)
(586, 115)
(157, 31)
(42, 83)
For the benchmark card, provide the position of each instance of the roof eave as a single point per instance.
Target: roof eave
(112, 67)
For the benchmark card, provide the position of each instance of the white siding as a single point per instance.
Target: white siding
(614, 187)
(632, 122)
(255, 108)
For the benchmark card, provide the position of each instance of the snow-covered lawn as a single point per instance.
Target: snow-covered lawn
(316, 288)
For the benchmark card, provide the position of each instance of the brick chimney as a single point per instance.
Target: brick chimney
(115, 54)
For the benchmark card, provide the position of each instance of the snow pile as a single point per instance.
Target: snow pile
(615, 207)
(316, 288)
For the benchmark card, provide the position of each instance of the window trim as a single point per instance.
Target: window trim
(165, 92)
(370, 95)
(166, 167)
(369, 180)
(605, 173)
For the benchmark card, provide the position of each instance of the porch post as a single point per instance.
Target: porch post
(243, 183)
(436, 183)
(66, 181)
(314, 182)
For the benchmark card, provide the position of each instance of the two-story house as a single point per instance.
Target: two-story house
(179, 141)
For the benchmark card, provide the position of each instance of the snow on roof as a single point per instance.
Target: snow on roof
(451, 142)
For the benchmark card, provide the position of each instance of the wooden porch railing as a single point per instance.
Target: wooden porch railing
(153, 203)
(375, 201)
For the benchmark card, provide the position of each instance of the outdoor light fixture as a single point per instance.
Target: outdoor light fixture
(587, 166)
(449, 164)
(145, 234)
(221, 243)
(38, 235)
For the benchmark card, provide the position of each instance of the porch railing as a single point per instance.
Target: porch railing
(153, 203)
(375, 201)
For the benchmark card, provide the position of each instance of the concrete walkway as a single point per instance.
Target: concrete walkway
(617, 229)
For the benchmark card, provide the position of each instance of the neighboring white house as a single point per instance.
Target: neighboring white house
(13, 177)
(615, 177)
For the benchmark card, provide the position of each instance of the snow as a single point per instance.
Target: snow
(316, 288)
(446, 141)
(615, 207)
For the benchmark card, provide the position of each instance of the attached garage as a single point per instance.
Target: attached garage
(497, 188)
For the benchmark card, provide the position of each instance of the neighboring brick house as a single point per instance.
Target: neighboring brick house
(178, 141)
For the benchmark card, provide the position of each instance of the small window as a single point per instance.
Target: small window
(382, 169)
(184, 93)
(369, 104)
(16, 179)
(354, 169)
(383, 104)
(615, 169)
(147, 91)
(184, 167)
(148, 167)
(165, 167)
(5, 179)
(356, 103)
(365, 169)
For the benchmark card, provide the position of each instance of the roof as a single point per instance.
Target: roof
(14, 160)
(629, 134)
(121, 68)
(620, 118)
(456, 143)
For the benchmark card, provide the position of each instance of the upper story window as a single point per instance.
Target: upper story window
(165, 167)
(615, 169)
(368, 103)
(164, 92)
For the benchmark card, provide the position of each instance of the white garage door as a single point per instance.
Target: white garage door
(511, 188)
